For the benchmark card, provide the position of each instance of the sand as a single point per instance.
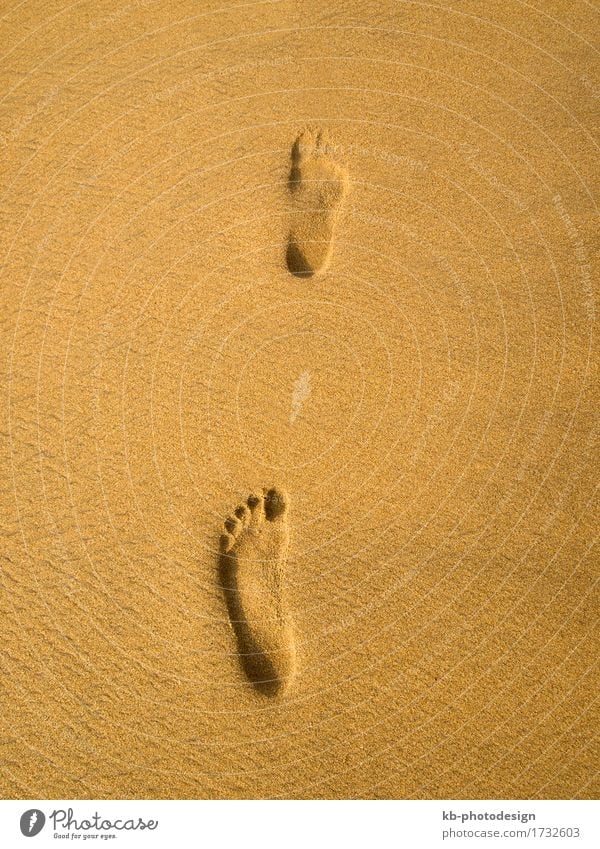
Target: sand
(346, 252)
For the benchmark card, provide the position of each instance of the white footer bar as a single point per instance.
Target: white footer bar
(302, 824)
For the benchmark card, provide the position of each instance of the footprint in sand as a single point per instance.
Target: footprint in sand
(318, 186)
(252, 568)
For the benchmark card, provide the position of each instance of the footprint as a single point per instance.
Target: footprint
(252, 567)
(318, 186)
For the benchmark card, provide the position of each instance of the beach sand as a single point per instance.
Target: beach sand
(346, 255)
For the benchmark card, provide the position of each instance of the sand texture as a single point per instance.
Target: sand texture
(299, 442)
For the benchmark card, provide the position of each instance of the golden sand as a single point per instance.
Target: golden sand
(346, 252)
